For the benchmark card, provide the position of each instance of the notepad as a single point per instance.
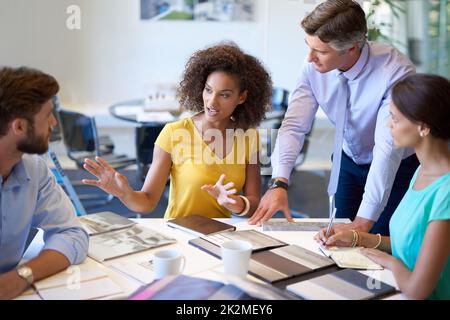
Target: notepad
(350, 258)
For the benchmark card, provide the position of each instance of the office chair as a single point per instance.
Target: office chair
(146, 135)
(81, 140)
(280, 102)
(280, 99)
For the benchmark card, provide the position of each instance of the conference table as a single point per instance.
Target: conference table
(120, 277)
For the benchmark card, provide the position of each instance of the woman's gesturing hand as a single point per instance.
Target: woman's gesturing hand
(109, 180)
(221, 192)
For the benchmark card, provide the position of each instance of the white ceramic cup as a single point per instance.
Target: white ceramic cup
(236, 257)
(168, 262)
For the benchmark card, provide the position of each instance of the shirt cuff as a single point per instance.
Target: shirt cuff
(369, 211)
(282, 172)
(74, 249)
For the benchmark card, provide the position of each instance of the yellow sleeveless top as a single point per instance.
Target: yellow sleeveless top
(195, 164)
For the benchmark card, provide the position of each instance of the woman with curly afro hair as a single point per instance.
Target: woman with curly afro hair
(212, 156)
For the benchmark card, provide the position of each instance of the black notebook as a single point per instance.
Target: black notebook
(200, 225)
(346, 284)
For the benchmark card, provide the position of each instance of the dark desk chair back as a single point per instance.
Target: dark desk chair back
(145, 142)
(280, 99)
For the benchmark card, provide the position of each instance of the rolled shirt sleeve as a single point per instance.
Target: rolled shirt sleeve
(386, 157)
(296, 124)
(55, 214)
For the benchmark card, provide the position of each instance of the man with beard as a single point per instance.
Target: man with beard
(29, 194)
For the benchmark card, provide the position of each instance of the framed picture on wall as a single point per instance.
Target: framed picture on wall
(198, 10)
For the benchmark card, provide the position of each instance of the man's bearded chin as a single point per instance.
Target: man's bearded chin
(33, 144)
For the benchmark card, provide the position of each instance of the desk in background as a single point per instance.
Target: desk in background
(161, 111)
(122, 276)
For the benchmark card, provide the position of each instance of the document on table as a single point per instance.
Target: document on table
(79, 282)
(350, 258)
(92, 289)
(141, 271)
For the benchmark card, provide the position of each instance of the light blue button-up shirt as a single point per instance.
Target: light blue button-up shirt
(367, 138)
(30, 197)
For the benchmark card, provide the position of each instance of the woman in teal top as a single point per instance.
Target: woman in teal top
(420, 226)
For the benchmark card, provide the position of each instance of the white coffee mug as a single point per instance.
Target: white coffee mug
(168, 262)
(236, 257)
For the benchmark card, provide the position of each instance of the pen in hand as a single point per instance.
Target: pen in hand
(330, 224)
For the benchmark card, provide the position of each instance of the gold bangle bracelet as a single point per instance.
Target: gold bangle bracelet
(354, 239)
(379, 241)
(246, 207)
(359, 238)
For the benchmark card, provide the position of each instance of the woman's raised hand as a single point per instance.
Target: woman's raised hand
(221, 192)
(109, 180)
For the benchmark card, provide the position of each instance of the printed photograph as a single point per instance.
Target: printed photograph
(122, 242)
(199, 10)
(104, 221)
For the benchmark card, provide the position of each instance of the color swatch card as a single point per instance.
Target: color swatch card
(347, 284)
(286, 262)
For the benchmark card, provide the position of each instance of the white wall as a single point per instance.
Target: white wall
(116, 56)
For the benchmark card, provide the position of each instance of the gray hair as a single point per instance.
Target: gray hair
(340, 23)
(344, 44)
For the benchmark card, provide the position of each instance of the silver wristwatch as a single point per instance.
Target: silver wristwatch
(25, 273)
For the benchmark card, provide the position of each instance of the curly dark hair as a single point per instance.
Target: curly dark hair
(228, 58)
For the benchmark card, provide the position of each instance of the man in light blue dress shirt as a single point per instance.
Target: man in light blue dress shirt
(29, 194)
(350, 78)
